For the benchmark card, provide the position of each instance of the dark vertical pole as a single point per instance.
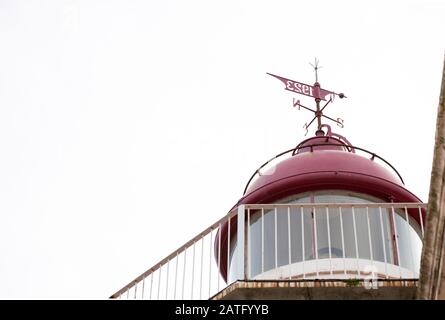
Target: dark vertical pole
(432, 274)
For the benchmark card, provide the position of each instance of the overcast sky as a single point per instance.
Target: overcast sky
(127, 127)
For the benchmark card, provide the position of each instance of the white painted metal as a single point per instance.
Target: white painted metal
(176, 275)
(276, 238)
(355, 240)
(249, 266)
(262, 240)
(159, 281)
(241, 243)
(202, 265)
(407, 225)
(210, 259)
(329, 240)
(396, 237)
(383, 242)
(369, 236)
(166, 282)
(343, 249)
(193, 270)
(314, 218)
(305, 268)
(143, 287)
(219, 252)
(183, 273)
(151, 284)
(303, 258)
(228, 249)
(289, 246)
(421, 220)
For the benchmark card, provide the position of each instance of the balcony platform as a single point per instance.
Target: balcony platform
(338, 289)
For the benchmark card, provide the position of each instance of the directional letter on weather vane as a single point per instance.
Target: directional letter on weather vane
(315, 92)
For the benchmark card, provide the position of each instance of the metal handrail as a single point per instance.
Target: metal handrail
(373, 155)
(174, 253)
(386, 205)
(229, 217)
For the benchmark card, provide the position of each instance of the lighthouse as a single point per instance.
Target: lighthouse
(324, 219)
(301, 236)
(331, 212)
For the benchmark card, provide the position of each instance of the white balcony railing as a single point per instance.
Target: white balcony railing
(289, 242)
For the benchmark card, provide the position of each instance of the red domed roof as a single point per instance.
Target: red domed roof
(322, 163)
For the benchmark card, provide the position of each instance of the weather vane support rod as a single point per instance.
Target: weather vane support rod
(316, 67)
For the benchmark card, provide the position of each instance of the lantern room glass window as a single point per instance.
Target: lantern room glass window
(318, 234)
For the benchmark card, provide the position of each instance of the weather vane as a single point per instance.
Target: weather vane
(317, 93)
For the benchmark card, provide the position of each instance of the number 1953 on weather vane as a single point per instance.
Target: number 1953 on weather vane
(316, 92)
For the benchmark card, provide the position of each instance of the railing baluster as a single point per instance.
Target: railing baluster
(355, 240)
(135, 290)
(369, 238)
(303, 258)
(219, 253)
(421, 221)
(176, 275)
(329, 240)
(151, 283)
(262, 240)
(202, 265)
(193, 270)
(409, 242)
(396, 235)
(228, 249)
(143, 287)
(240, 257)
(210, 260)
(343, 249)
(183, 273)
(383, 242)
(315, 240)
(249, 258)
(166, 283)
(289, 242)
(159, 281)
(276, 241)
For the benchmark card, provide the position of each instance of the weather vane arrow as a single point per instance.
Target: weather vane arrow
(306, 89)
(314, 91)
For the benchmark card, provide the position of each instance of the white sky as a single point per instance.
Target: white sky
(126, 127)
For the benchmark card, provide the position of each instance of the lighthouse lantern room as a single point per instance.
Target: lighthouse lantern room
(333, 212)
(324, 210)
